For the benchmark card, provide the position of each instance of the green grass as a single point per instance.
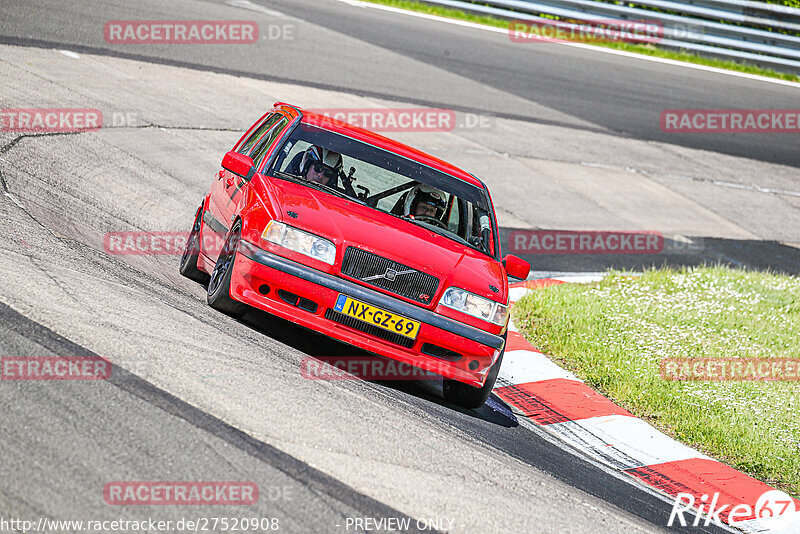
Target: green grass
(645, 49)
(614, 334)
(790, 3)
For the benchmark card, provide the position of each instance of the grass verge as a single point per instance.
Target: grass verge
(648, 50)
(614, 334)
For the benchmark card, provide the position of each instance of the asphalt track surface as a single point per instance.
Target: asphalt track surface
(198, 396)
(345, 48)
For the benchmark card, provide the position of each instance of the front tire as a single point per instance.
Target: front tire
(468, 396)
(191, 254)
(219, 286)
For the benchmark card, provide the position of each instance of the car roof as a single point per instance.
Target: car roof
(341, 127)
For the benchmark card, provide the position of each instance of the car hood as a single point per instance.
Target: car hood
(347, 223)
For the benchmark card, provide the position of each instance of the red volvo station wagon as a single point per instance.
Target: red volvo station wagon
(363, 239)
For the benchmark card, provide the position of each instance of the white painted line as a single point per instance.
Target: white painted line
(788, 525)
(537, 275)
(581, 278)
(601, 49)
(516, 293)
(14, 200)
(247, 4)
(636, 439)
(522, 366)
(70, 53)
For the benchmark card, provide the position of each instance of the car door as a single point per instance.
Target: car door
(226, 190)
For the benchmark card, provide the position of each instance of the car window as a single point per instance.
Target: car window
(388, 182)
(262, 147)
(258, 133)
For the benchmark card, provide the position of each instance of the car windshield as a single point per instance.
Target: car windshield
(388, 182)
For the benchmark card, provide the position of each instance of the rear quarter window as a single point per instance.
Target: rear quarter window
(263, 146)
(249, 144)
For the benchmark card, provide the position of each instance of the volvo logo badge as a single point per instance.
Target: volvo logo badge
(389, 275)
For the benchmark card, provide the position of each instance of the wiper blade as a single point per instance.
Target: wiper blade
(418, 223)
(445, 233)
(288, 176)
(432, 227)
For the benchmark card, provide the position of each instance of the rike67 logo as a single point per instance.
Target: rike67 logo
(773, 511)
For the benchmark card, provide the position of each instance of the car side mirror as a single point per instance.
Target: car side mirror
(516, 267)
(239, 164)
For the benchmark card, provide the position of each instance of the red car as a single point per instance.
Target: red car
(363, 239)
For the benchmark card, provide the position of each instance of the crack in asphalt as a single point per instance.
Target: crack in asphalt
(3, 183)
(719, 183)
(168, 127)
(123, 271)
(40, 43)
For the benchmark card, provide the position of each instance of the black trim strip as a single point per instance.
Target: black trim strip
(236, 190)
(247, 177)
(370, 297)
(214, 224)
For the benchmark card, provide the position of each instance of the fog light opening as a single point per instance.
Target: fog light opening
(473, 365)
(263, 289)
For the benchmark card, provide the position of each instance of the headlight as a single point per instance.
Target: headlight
(472, 304)
(311, 245)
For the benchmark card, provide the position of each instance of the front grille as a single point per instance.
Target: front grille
(412, 284)
(352, 322)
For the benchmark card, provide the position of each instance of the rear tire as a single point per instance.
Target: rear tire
(471, 397)
(191, 254)
(219, 286)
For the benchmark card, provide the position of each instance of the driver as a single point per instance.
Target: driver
(321, 166)
(424, 201)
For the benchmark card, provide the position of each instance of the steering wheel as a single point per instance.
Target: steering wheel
(432, 220)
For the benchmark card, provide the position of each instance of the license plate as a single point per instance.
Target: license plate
(380, 318)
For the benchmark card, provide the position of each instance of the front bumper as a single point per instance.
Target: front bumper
(255, 267)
